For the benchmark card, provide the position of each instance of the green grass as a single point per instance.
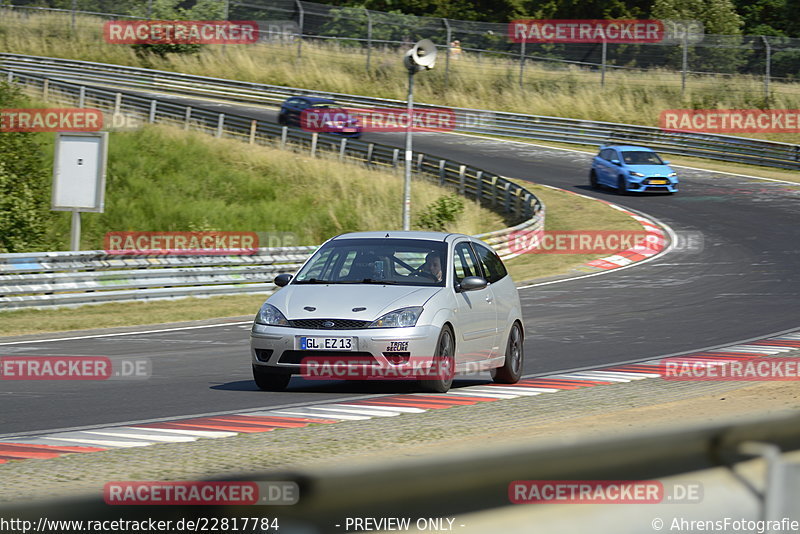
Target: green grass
(547, 89)
(165, 179)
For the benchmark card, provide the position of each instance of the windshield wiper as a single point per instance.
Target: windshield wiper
(314, 281)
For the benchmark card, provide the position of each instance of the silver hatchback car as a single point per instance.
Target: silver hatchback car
(391, 305)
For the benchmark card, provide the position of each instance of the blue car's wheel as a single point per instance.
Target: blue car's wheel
(622, 189)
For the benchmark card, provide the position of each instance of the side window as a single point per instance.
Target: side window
(608, 154)
(464, 262)
(493, 267)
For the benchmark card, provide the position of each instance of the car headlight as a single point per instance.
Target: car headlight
(398, 318)
(270, 315)
(672, 174)
(637, 174)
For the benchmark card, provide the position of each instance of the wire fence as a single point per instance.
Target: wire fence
(685, 51)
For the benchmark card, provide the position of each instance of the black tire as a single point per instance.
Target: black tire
(593, 180)
(268, 381)
(511, 371)
(282, 120)
(444, 363)
(622, 188)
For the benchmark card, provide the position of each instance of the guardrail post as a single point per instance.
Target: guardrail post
(342, 148)
(479, 186)
(152, 117)
(461, 177)
(187, 117)
(518, 202)
(494, 191)
(442, 163)
(45, 88)
(507, 197)
(314, 137)
(253, 125)
(82, 96)
(395, 156)
(370, 148)
(220, 124)
(10, 77)
(117, 103)
(284, 135)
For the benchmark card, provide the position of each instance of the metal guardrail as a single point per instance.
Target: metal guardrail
(486, 122)
(714, 457)
(68, 278)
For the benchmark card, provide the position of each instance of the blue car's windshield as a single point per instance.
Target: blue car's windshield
(413, 262)
(640, 157)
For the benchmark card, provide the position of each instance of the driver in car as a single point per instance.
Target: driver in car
(433, 265)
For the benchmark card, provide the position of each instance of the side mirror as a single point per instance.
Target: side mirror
(665, 162)
(615, 162)
(472, 283)
(282, 279)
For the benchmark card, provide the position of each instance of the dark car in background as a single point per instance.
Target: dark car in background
(318, 115)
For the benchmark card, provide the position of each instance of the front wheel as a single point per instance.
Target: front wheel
(444, 364)
(268, 381)
(511, 371)
(622, 189)
(593, 180)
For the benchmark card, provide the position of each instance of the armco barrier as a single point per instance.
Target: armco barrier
(70, 278)
(710, 146)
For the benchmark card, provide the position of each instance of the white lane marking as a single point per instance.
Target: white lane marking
(761, 348)
(614, 374)
(522, 392)
(197, 433)
(115, 334)
(536, 388)
(461, 392)
(314, 413)
(148, 436)
(105, 443)
(357, 411)
(586, 376)
(404, 409)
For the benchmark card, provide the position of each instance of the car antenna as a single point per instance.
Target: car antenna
(387, 234)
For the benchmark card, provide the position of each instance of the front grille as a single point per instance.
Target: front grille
(355, 358)
(322, 324)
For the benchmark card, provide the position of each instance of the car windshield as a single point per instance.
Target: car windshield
(411, 262)
(641, 157)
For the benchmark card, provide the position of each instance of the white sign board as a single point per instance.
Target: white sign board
(79, 171)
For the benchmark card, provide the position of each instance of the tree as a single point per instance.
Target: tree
(24, 186)
(718, 16)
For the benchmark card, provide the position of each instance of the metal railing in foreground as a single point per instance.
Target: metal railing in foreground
(69, 278)
(714, 457)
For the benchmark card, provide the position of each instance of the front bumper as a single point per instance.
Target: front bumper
(646, 185)
(399, 352)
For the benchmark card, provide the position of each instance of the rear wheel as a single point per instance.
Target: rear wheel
(444, 364)
(593, 180)
(511, 371)
(268, 381)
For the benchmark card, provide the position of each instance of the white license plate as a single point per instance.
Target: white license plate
(326, 343)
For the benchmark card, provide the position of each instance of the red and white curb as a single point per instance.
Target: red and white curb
(656, 243)
(220, 426)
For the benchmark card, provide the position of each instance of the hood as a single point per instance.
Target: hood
(651, 170)
(336, 301)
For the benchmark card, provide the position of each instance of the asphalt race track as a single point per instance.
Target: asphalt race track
(743, 283)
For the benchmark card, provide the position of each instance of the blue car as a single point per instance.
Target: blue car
(632, 169)
(318, 115)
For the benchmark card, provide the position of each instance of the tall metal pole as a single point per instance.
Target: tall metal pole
(685, 65)
(300, 17)
(407, 191)
(768, 51)
(369, 37)
(521, 62)
(447, 57)
(603, 68)
(75, 231)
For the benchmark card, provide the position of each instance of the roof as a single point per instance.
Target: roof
(632, 148)
(317, 99)
(398, 234)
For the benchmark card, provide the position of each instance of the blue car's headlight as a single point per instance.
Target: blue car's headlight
(673, 174)
(398, 318)
(637, 174)
(270, 315)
